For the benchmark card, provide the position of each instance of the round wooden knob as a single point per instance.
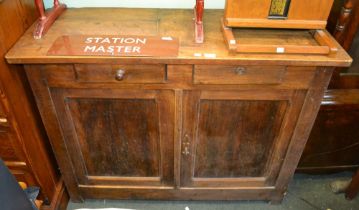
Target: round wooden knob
(120, 75)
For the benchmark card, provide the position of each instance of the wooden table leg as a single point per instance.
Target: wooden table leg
(198, 22)
(47, 18)
(353, 188)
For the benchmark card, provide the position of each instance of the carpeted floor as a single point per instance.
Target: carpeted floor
(305, 192)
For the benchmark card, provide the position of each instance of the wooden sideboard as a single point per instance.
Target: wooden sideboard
(24, 146)
(200, 126)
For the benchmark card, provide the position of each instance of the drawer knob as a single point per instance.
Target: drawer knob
(120, 75)
(240, 70)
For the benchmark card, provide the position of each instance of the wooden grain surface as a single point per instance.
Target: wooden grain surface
(129, 45)
(166, 22)
(117, 137)
(132, 74)
(106, 134)
(300, 9)
(240, 113)
(237, 145)
(309, 14)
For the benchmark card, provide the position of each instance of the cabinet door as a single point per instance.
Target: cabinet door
(236, 138)
(117, 137)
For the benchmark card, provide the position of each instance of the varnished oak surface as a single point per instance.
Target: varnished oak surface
(302, 14)
(165, 22)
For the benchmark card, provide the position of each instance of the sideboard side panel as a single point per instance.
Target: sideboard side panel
(47, 111)
(302, 131)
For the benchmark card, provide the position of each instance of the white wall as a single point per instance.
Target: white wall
(214, 4)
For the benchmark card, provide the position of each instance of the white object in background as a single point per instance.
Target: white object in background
(280, 50)
(167, 38)
(210, 55)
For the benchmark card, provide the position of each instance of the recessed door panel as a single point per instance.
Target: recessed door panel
(118, 137)
(236, 138)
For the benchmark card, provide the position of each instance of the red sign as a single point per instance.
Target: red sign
(103, 45)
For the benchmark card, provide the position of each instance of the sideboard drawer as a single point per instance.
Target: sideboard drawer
(131, 74)
(212, 74)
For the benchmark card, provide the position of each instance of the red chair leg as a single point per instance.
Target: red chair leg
(40, 8)
(198, 23)
(353, 187)
(56, 3)
(47, 18)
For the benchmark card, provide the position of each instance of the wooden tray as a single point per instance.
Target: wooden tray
(266, 41)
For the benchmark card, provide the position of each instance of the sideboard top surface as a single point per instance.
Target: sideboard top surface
(166, 22)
